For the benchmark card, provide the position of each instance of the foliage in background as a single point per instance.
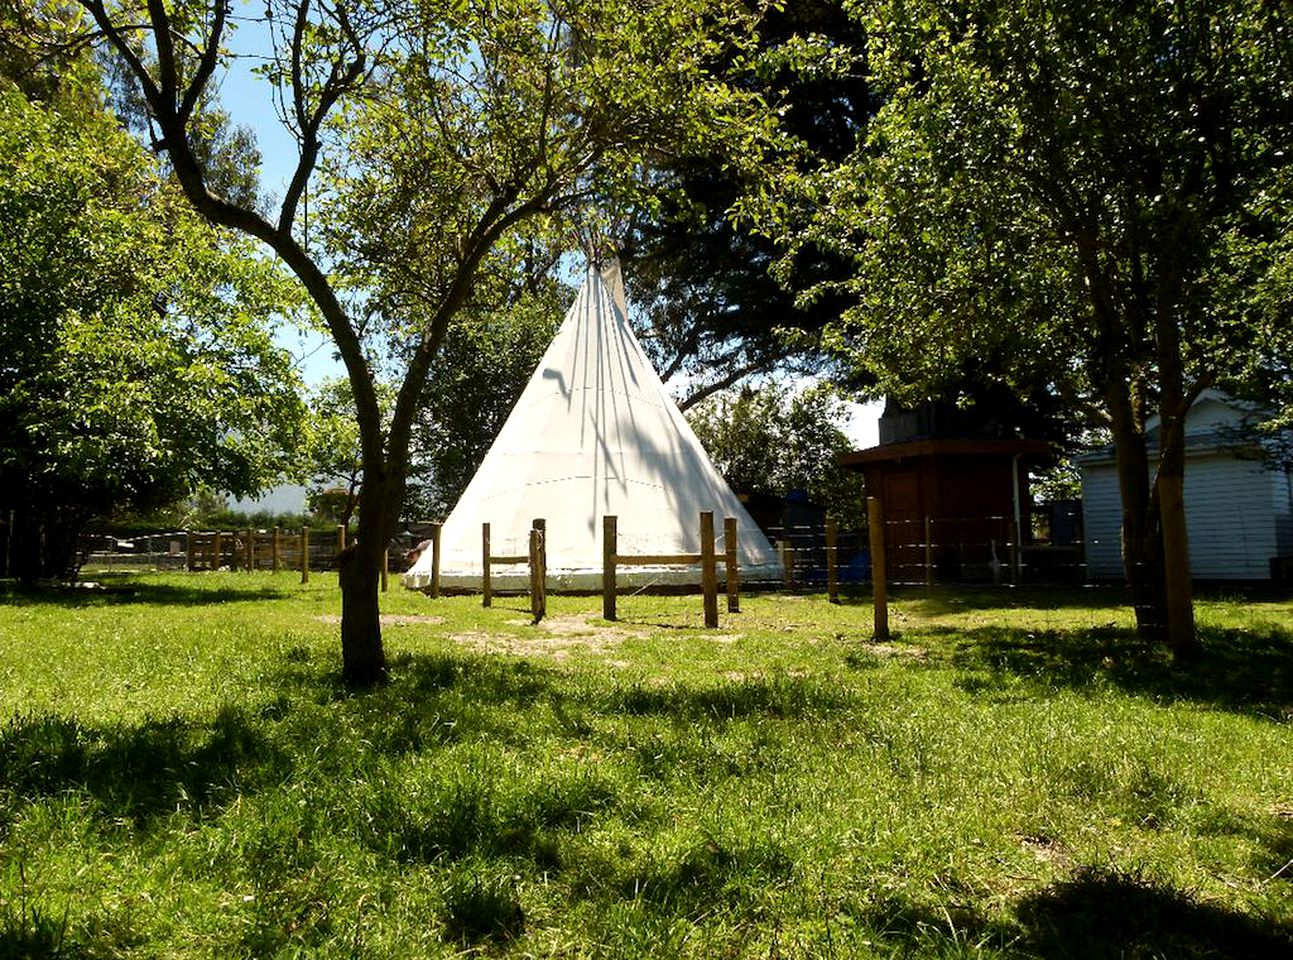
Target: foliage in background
(331, 466)
(709, 311)
(138, 360)
(774, 439)
(1086, 199)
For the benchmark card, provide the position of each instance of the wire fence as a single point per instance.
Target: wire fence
(247, 549)
(971, 551)
(977, 551)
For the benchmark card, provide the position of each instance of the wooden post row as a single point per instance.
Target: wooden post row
(875, 520)
(730, 546)
(610, 553)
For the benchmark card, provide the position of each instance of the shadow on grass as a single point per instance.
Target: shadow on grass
(1098, 915)
(1094, 915)
(949, 600)
(141, 771)
(1248, 671)
(1116, 598)
(125, 590)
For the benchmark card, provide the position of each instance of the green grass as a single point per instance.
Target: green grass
(181, 774)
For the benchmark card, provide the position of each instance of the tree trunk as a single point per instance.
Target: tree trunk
(1178, 589)
(1141, 544)
(1174, 404)
(363, 661)
(360, 567)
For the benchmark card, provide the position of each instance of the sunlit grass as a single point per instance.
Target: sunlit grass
(181, 774)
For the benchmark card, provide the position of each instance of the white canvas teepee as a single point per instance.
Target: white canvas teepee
(594, 433)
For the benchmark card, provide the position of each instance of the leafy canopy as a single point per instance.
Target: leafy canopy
(138, 359)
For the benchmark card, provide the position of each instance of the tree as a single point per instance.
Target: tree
(1083, 197)
(773, 440)
(710, 312)
(439, 128)
(138, 362)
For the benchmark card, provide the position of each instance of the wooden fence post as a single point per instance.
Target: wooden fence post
(305, 554)
(276, 551)
(730, 549)
(341, 541)
(487, 588)
(832, 561)
(251, 550)
(1013, 534)
(541, 525)
(386, 569)
(708, 569)
(435, 560)
(879, 595)
(188, 550)
(929, 552)
(610, 550)
(536, 574)
(216, 558)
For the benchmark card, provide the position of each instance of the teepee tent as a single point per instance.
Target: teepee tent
(594, 433)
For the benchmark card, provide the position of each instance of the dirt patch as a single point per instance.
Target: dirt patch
(1047, 849)
(388, 619)
(890, 650)
(555, 637)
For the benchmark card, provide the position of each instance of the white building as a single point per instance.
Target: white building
(1238, 505)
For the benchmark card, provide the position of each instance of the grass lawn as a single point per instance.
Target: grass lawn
(1011, 776)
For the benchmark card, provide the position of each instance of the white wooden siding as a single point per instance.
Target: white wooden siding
(1231, 517)
(1102, 521)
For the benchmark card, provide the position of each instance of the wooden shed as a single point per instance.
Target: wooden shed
(955, 507)
(1238, 502)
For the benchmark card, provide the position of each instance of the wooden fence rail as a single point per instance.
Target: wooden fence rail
(536, 558)
(707, 558)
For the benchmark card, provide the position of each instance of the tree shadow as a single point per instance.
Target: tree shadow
(950, 600)
(1241, 670)
(127, 591)
(1100, 914)
(140, 772)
